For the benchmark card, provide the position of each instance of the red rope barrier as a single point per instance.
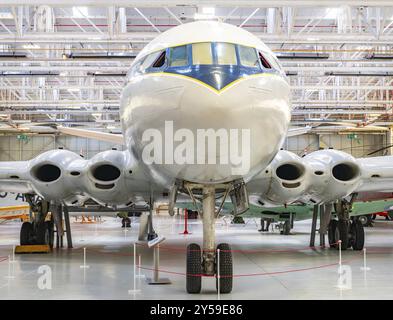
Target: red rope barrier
(284, 250)
(249, 274)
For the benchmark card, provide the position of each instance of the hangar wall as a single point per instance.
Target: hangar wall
(13, 148)
(359, 145)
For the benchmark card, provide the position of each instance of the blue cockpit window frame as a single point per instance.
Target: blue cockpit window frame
(259, 68)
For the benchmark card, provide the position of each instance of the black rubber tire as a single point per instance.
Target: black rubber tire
(43, 234)
(286, 228)
(357, 232)
(191, 214)
(332, 233)
(237, 220)
(126, 223)
(342, 233)
(194, 268)
(26, 233)
(366, 220)
(226, 268)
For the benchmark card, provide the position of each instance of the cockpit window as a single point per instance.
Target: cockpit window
(248, 56)
(202, 53)
(178, 56)
(228, 58)
(160, 60)
(226, 53)
(274, 62)
(150, 60)
(264, 61)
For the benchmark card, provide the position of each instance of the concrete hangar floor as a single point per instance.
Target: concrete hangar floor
(267, 265)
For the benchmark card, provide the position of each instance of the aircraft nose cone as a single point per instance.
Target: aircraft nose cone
(214, 135)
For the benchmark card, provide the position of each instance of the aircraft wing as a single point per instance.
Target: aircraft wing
(102, 136)
(322, 176)
(297, 131)
(111, 178)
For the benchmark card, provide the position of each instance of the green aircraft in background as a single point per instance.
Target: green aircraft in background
(363, 207)
(285, 216)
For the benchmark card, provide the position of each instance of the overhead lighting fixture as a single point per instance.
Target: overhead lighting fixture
(6, 15)
(207, 13)
(80, 12)
(103, 74)
(31, 46)
(29, 74)
(379, 56)
(359, 74)
(331, 13)
(12, 55)
(295, 55)
(107, 55)
(291, 73)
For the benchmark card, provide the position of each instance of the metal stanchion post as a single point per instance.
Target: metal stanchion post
(364, 268)
(13, 255)
(339, 254)
(218, 275)
(135, 290)
(10, 276)
(185, 232)
(156, 279)
(156, 262)
(84, 266)
(344, 280)
(139, 275)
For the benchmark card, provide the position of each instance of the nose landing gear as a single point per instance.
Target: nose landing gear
(223, 268)
(206, 262)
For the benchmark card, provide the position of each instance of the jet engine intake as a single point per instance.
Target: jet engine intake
(105, 173)
(46, 172)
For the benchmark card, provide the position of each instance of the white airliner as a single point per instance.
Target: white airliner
(204, 114)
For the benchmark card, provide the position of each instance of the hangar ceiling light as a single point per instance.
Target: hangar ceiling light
(207, 13)
(12, 55)
(359, 74)
(381, 56)
(27, 74)
(31, 46)
(295, 55)
(80, 12)
(332, 13)
(107, 55)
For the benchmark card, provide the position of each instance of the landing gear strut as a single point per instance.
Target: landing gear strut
(286, 228)
(349, 230)
(265, 224)
(205, 262)
(38, 231)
